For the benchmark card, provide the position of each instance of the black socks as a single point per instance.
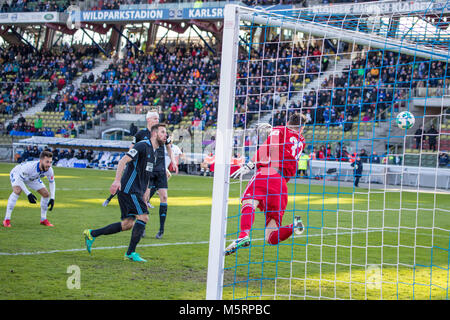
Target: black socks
(109, 229)
(136, 235)
(162, 216)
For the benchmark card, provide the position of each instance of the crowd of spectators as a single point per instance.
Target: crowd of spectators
(268, 78)
(21, 65)
(431, 135)
(71, 102)
(17, 68)
(180, 79)
(35, 5)
(375, 83)
(183, 79)
(62, 5)
(24, 127)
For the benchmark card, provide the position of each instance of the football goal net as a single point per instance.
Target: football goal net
(371, 192)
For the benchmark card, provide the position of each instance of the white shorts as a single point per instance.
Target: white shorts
(16, 179)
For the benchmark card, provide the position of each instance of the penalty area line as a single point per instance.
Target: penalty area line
(201, 242)
(99, 248)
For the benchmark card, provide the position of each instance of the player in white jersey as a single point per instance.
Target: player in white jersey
(29, 174)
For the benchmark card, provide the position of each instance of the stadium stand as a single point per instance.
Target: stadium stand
(168, 66)
(34, 6)
(328, 105)
(181, 80)
(51, 69)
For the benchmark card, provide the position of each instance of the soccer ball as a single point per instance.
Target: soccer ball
(405, 120)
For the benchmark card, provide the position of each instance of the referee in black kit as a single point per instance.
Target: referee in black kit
(133, 174)
(158, 179)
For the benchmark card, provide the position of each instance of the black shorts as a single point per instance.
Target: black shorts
(158, 180)
(131, 204)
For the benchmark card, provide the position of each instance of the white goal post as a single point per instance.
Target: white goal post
(224, 146)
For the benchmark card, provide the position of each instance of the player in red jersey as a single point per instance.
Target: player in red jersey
(276, 162)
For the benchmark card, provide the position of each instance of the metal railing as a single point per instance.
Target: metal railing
(431, 92)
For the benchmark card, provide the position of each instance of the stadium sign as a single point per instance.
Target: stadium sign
(124, 15)
(151, 14)
(135, 13)
(386, 7)
(29, 17)
(144, 12)
(203, 13)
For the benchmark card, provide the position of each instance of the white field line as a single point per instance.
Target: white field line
(187, 243)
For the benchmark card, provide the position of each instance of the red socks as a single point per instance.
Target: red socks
(247, 218)
(281, 234)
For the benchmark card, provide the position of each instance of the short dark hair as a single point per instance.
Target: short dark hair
(156, 127)
(46, 154)
(294, 119)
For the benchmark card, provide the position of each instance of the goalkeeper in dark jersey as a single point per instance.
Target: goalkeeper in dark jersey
(158, 180)
(133, 174)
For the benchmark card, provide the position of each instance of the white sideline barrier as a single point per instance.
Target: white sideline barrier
(384, 174)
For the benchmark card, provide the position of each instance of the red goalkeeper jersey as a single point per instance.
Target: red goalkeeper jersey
(281, 151)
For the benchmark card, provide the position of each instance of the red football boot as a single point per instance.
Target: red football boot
(7, 223)
(46, 223)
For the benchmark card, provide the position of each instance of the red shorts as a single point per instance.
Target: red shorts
(270, 189)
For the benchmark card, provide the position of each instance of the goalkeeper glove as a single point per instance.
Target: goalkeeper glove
(246, 168)
(31, 198)
(50, 204)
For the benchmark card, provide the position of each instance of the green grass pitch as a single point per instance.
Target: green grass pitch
(344, 236)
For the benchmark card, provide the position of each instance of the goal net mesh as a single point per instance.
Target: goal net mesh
(349, 75)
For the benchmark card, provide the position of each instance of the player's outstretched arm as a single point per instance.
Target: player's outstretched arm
(261, 156)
